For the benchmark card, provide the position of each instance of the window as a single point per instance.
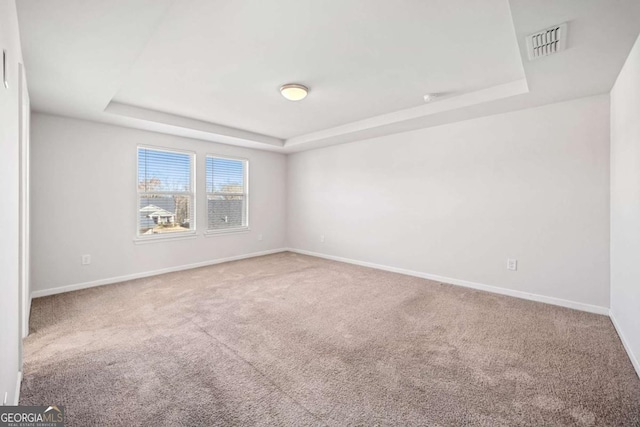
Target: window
(227, 194)
(165, 192)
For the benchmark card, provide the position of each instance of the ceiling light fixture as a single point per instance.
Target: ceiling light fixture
(294, 91)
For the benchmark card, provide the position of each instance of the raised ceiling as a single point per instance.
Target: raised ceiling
(224, 61)
(211, 69)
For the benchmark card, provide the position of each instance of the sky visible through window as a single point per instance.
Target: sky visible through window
(163, 170)
(171, 171)
(224, 173)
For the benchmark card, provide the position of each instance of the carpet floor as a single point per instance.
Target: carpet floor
(288, 339)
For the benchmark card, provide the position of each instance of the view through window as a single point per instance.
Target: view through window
(227, 193)
(165, 192)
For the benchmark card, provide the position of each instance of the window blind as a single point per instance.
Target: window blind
(227, 193)
(165, 192)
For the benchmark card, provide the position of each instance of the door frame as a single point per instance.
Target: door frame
(24, 114)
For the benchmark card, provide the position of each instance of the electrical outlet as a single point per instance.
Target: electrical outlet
(322, 238)
(512, 264)
(86, 259)
(260, 236)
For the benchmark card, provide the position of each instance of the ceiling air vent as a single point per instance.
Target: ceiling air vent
(547, 42)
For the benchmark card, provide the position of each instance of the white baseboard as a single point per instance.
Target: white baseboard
(482, 287)
(111, 280)
(634, 360)
(16, 396)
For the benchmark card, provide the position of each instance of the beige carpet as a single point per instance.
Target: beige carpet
(288, 339)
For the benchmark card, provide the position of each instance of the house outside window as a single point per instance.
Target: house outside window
(165, 193)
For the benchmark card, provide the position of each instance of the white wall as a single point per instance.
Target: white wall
(9, 208)
(83, 201)
(458, 200)
(625, 204)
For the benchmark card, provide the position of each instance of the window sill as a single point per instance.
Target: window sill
(154, 238)
(212, 233)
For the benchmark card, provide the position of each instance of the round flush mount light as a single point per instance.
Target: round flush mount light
(294, 91)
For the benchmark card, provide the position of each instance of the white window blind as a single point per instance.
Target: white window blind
(227, 193)
(165, 192)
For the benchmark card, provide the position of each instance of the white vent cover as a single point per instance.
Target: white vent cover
(547, 42)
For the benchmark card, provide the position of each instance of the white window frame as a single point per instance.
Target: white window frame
(245, 193)
(141, 238)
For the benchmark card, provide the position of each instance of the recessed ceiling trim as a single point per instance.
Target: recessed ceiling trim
(493, 93)
(373, 126)
(223, 134)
